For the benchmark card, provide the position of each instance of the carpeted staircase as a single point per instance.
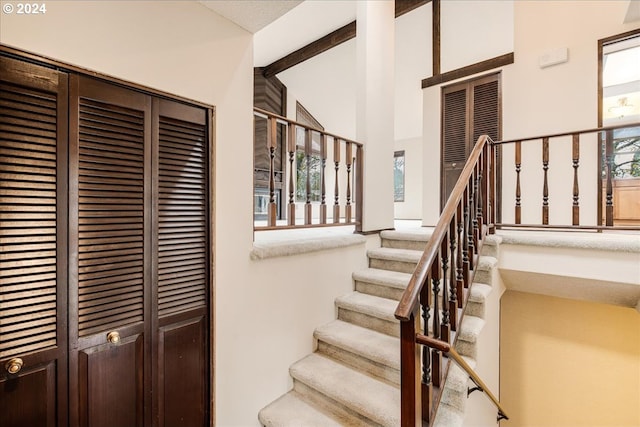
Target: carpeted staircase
(352, 379)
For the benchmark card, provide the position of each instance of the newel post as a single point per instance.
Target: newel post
(410, 384)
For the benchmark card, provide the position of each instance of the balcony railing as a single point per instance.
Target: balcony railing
(603, 186)
(292, 186)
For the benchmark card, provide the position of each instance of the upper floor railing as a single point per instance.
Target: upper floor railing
(290, 163)
(587, 179)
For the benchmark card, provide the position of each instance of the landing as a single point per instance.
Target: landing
(588, 266)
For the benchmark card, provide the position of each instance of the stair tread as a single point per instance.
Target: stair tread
(421, 234)
(377, 276)
(479, 292)
(292, 410)
(365, 342)
(486, 262)
(393, 254)
(371, 305)
(381, 402)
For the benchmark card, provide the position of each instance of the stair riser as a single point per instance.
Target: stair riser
(466, 348)
(454, 398)
(392, 265)
(380, 325)
(490, 250)
(385, 373)
(415, 245)
(378, 290)
(475, 309)
(323, 401)
(484, 276)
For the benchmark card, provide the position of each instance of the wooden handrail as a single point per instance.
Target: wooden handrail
(438, 290)
(283, 120)
(410, 297)
(556, 135)
(447, 349)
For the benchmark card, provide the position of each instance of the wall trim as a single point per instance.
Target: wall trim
(469, 70)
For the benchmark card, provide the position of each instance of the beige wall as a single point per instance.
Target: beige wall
(568, 363)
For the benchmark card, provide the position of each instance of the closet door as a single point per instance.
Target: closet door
(181, 260)
(469, 109)
(33, 273)
(110, 382)
(455, 140)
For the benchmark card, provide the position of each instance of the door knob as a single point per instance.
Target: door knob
(113, 337)
(14, 365)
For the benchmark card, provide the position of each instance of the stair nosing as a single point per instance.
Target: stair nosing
(365, 307)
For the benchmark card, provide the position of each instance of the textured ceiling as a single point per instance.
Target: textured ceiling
(252, 15)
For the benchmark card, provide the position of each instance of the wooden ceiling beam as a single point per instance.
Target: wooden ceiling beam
(323, 44)
(330, 41)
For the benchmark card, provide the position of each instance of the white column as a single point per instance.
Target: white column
(375, 108)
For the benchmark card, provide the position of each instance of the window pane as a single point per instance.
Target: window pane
(398, 176)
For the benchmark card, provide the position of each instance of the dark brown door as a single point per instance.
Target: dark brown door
(469, 109)
(110, 254)
(33, 235)
(142, 223)
(181, 242)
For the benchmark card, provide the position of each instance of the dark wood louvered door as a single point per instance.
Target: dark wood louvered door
(180, 274)
(110, 278)
(33, 235)
(139, 270)
(469, 109)
(105, 253)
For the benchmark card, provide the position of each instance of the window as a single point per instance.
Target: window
(310, 170)
(621, 102)
(619, 98)
(398, 176)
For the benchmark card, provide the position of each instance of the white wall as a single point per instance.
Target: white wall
(265, 310)
(413, 62)
(559, 98)
(472, 31)
(326, 86)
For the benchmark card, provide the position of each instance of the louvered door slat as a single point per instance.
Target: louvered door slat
(182, 211)
(110, 224)
(486, 110)
(28, 228)
(455, 126)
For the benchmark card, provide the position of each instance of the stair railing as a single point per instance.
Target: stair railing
(449, 351)
(292, 187)
(434, 301)
(617, 176)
